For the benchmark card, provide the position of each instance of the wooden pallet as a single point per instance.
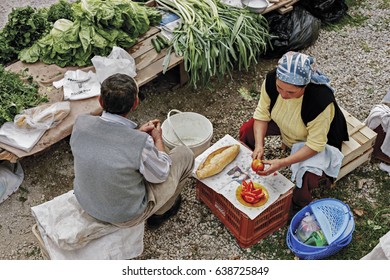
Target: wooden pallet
(359, 148)
(149, 63)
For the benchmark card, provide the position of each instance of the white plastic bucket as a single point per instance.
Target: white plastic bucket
(189, 129)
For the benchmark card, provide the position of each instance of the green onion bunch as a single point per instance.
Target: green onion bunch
(214, 38)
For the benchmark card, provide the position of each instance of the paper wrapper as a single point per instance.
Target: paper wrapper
(229, 179)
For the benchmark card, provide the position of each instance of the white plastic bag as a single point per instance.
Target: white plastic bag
(44, 116)
(79, 85)
(118, 61)
(307, 226)
(11, 177)
(20, 138)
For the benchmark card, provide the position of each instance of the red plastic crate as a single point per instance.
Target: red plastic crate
(246, 231)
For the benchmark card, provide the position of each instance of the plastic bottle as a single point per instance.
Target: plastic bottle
(317, 238)
(307, 226)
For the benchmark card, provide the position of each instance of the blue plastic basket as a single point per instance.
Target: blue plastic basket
(296, 243)
(336, 221)
(348, 231)
(321, 252)
(333, 217)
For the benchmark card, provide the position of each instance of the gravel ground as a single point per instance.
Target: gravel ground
(355, 58)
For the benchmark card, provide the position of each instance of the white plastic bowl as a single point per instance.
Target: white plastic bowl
(255, 6)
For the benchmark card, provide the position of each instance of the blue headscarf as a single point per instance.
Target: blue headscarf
(299, 69)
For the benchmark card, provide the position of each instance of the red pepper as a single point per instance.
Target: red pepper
(248, 194)
(257, 191)
(260, 196)
(245, 186)
(250, 199)
(251, 186)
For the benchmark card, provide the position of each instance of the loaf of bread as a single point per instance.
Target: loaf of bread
(217, 161)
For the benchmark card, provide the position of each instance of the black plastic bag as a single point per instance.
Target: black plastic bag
(328, 11)
(319, 5)
(292, 31)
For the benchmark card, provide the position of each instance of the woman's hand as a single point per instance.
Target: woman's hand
(271, 166)
(258, 153)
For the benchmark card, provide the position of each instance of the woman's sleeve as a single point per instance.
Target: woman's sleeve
(262, 111)
(318, 129)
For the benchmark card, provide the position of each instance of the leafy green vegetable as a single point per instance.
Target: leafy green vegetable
(16, 94)
(60, 10)
(97, 27)
(25, 26)
(7, 53)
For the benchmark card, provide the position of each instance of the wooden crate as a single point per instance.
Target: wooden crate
(359, 148)
(282, 6)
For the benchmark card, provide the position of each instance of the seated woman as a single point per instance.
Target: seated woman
(297, 103)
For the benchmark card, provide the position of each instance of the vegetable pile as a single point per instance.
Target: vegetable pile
(16, 94)
(97, 27)
(59, 10)
(214, 37)
(251, 194)
(24, 27)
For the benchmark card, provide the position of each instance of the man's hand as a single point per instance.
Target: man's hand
(156, 132)
(149, 126)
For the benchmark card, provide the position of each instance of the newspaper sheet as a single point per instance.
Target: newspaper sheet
(227, 181)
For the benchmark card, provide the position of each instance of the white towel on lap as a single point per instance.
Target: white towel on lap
(328, 161)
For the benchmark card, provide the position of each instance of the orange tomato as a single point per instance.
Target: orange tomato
(257, 165)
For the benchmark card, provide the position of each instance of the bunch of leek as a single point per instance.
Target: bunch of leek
(213, 37)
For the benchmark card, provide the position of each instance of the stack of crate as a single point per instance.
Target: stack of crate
(359, 148)
(282, 6)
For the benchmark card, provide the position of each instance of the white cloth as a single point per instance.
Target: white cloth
(380, 115)
(381, 251)
(20, 138)
(70, 233)
(328, 161)
(384, 167)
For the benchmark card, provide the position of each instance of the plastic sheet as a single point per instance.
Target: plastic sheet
(44, 116)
